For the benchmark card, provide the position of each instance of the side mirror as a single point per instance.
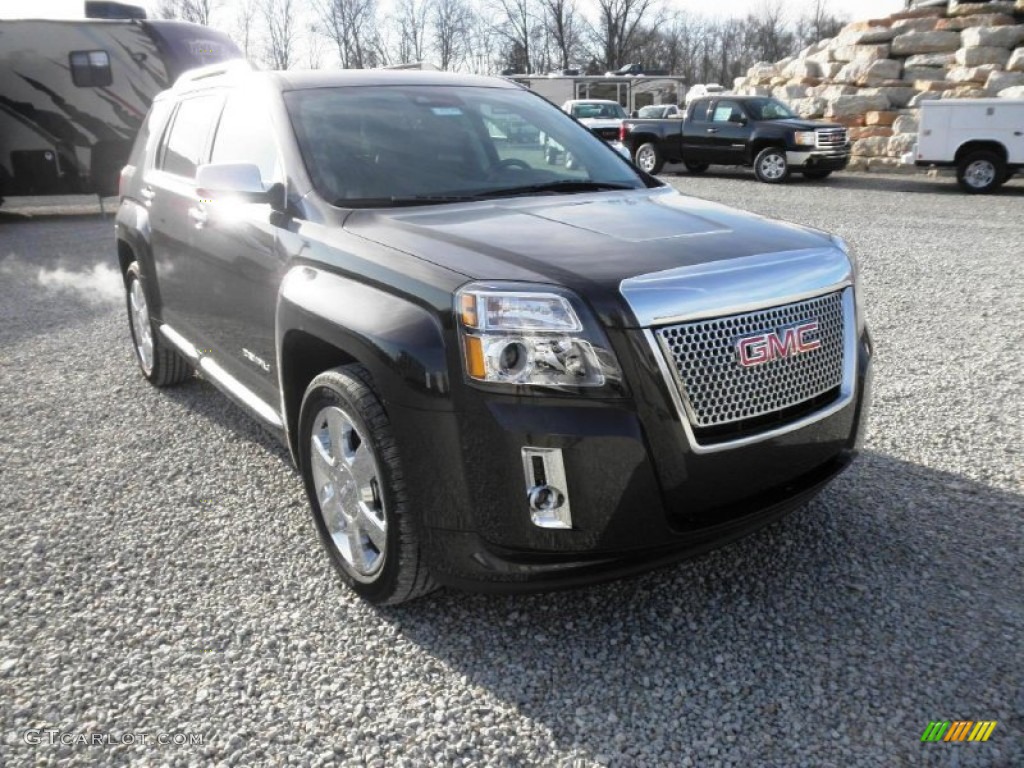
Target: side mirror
(237, 180)
(635, 113)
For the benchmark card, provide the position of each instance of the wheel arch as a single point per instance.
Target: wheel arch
(981, 145)
(325, 320)
(757, 145)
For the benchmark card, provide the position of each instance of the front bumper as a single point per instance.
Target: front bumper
(641, 496)
(826, 161)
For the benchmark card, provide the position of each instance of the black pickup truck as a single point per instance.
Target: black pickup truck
(739, 130)
(491, 371)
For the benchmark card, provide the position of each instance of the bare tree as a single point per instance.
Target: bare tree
(351, 25)
(315, 44)
(818, 23)
(245, 22)
(565, 26)
(195, 11)
(767, 32)
(517, 24)
(410, 20)
(622, 28)
(451, 22)
(282, 26)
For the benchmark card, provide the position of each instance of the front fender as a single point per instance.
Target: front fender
(400, 342)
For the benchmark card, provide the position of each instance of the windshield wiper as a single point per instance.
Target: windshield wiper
(564, 185)
(396, 202)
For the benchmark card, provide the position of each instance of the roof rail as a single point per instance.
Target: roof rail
(229, 67)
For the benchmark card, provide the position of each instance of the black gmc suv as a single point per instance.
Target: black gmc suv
(739, 130)
(490, 371)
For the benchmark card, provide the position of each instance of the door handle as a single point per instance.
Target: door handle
(147, 193)
(198, 216)
(712, 130)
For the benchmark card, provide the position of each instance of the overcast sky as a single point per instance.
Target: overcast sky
(861, 9)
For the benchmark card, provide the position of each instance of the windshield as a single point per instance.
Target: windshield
(598, 111)
(660, 110)
(769, 109)
(417, 145)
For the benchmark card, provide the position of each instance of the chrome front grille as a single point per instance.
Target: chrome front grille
(717, 390)
(830, 138)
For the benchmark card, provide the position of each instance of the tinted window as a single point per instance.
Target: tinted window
(244, 136)
(378, 146)
(186, 141)
(700, 111)
(769, 109)
(90, 68)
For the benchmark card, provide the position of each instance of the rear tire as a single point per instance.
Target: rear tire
(159, 361)
(648, 158)
(816, 173)
(771, 166)
(354, 482)
(695, 167)
(981, 172)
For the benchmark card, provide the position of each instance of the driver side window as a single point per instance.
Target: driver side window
(244, 136)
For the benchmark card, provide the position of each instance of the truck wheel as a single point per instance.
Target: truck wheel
(816, 173)
(648, 158)
(694, 167)
(353, 479)
(980, 172)
(770, 165)
(160, 362)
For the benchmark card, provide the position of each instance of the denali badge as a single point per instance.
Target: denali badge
(770, 345)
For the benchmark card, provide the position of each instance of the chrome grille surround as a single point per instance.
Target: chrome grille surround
(830, 138)
(717, 390)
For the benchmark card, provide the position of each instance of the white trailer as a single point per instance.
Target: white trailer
(982, 138)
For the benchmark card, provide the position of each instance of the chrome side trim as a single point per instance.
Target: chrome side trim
(223, 379)
(184, 345)
(735, 286)
(846, 392)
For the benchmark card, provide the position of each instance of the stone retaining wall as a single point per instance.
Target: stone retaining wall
(873, 76)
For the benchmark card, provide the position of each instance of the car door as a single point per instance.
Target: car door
(169, 190)
(729, 131)
(237, 265)
(697, 133)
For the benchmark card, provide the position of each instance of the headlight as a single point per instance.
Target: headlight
(805, 138)
(532, 338)
(858, 290)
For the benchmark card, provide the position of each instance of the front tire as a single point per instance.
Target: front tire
(816, 174)
(771, 166)
(160, 363)
(648, 158)
(981, 172)
(353, 478)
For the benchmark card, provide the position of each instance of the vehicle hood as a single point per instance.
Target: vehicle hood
(802, 125)
(589, 243)
(601, 122)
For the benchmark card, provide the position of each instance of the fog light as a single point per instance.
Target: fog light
(547, 492)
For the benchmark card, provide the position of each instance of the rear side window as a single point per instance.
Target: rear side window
(244, 136)
(185, 142)
(90, 68)
(700, 111)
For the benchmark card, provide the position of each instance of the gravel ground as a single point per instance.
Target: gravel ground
(159, 574)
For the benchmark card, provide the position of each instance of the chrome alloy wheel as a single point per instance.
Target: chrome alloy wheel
(346, 479)
(980, 174)
(773, 166)
(142, 330)
(646, 159)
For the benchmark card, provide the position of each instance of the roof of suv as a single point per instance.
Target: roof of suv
(300, 80)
